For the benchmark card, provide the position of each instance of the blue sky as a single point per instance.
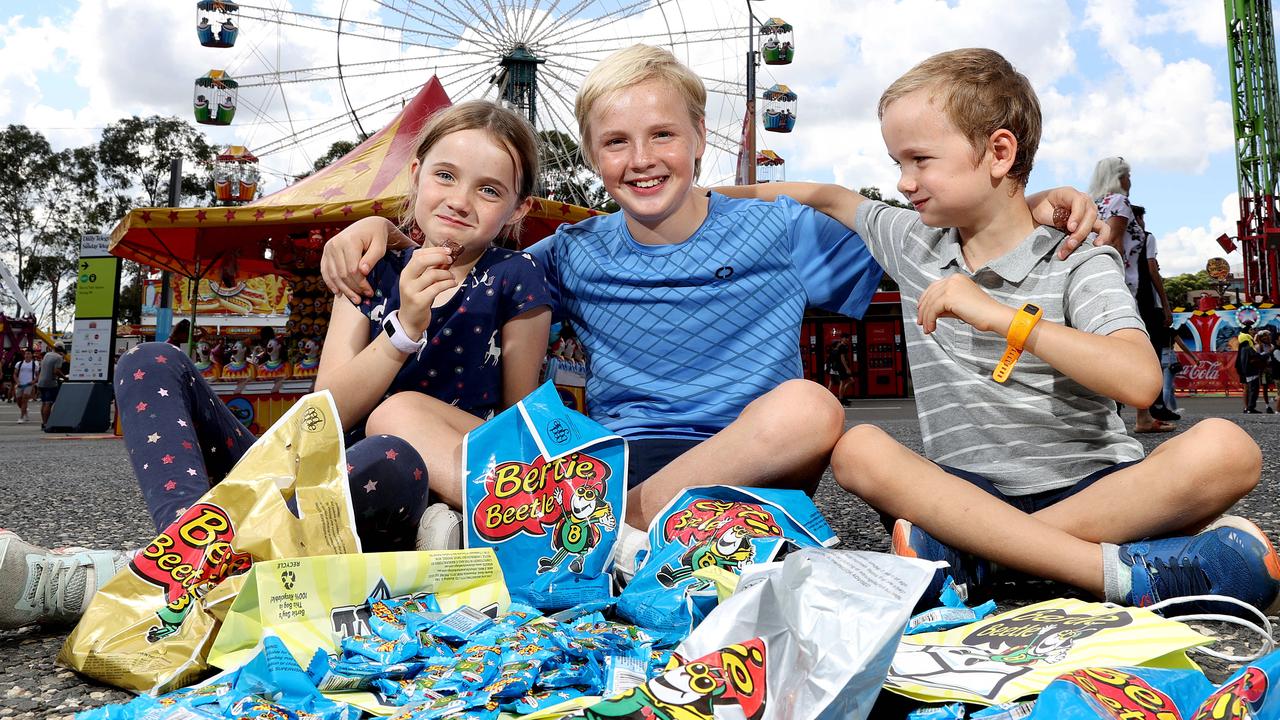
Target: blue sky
(1146, 80)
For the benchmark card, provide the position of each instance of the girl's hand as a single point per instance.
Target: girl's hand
(350, 255)
(424, 277)
(959, 297)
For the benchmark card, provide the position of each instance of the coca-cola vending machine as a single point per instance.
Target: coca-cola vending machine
(884, 358)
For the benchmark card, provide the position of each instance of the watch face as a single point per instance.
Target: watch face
(389, 328)
(1033, 309)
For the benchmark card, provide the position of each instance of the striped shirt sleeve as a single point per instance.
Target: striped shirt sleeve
(1096, 299)
(885, 229)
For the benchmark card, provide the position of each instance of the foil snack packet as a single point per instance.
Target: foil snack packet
(150, 627)
(546, 488)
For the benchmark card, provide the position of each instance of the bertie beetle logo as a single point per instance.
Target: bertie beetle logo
(1122, 694)
(718, 534)
(730, 678)
(188, 560)
(530, 497)
(1239, 699)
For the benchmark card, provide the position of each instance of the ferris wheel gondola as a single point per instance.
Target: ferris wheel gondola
(531, 55)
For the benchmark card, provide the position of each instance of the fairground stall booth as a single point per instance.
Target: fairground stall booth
(257, 265)
(1207, 341)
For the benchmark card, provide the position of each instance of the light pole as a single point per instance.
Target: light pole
(752, 62)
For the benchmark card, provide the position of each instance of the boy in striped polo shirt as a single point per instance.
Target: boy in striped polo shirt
(1027, 463)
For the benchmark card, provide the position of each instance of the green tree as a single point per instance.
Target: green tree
(1177, 287)
(71, 207)
(133, 157)
(335, 152)
(873, 193)
(566, 176)
(28, 166)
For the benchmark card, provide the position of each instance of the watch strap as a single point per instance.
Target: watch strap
(1024, 321)
(399, 338)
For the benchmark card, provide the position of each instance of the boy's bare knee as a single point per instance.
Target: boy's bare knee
(856, 456)
(802, 409)
(1233, 452)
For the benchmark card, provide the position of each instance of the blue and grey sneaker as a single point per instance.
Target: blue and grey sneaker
(1231, 557)
(50, 586)
(969, 572)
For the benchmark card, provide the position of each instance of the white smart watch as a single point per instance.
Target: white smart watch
(399, 338)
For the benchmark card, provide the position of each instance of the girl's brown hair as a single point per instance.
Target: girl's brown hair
(508, 128)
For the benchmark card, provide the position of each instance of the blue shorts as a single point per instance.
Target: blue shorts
(49, 394)
(647, 456)
(1026, 503)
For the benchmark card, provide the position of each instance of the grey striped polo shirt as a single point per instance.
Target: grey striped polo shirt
(1040, 430)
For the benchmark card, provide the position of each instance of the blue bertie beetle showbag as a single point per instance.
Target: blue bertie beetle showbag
(714, 526)
(546, 488)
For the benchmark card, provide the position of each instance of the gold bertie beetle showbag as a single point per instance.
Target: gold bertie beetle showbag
(150, 627)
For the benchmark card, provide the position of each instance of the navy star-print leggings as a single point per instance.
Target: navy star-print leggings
(182, 440)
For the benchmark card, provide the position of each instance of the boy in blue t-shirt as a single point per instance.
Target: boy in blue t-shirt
(688, 303)
(1027, 463)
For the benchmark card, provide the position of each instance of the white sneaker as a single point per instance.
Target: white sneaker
(22, 419)
(439, 529)
(40, 585)
(630, 551)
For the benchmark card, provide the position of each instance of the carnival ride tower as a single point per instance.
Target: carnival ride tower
(1255, 101)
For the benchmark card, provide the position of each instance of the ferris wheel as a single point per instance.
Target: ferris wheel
(306, 79)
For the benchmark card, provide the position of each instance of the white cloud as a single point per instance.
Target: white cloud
(1202, 18)
(1186, 249)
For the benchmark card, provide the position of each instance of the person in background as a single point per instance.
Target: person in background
(839, 368)
(1266, 348)
(51, 372)
(1249, 368)
(25, 372)
(1154, 307)
(1110, 190)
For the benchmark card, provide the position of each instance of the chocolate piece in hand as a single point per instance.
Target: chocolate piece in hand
(454, 250)
(1060, 217)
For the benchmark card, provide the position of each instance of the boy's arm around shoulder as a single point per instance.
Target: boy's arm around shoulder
(838, 202)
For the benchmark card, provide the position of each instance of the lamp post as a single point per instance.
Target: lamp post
(752, 61)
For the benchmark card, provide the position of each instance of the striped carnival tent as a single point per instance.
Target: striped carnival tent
(372, 179)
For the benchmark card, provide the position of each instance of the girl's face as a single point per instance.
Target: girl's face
(467, 191)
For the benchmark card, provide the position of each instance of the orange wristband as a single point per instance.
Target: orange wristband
(1023, 322)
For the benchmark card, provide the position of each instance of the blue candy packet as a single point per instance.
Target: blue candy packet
(271, 685)
(950, 711)
(1140, 692)
(714, 526)
(546, 488)
(952, 613)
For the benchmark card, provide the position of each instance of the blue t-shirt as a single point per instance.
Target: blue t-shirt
(460, 365)
(679, 338)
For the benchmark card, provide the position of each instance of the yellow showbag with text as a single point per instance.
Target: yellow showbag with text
(150, 627)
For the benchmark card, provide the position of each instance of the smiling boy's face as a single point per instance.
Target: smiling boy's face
(940, 173)
(645, 146)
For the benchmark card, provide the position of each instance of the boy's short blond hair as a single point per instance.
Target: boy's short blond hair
(632, 66)
(981, 93)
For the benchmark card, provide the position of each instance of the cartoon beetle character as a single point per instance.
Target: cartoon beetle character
(686, 693)
(729, 549)
(577, 531)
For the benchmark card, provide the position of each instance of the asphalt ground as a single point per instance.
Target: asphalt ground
(58, 490)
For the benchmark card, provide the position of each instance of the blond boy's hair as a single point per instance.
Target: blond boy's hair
(980, 92)
(632, 66)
